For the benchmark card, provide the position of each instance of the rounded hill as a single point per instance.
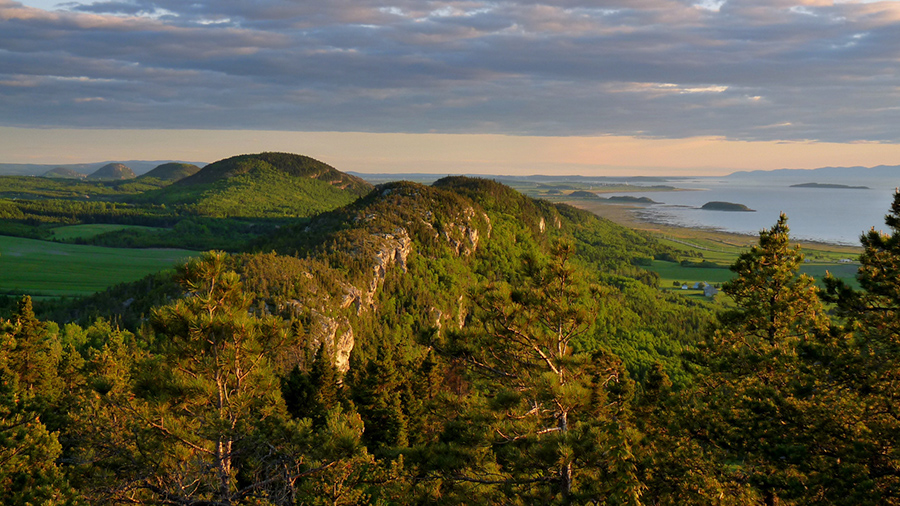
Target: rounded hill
(116, 171)
(284, 163)
(270, 185)
(173, 171)
(63, 173)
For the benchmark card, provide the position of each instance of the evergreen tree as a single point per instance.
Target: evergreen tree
(377, 393)
(559, 420)
(28, 384)
(870, 368)
(313, 394)
(198, 418)
(768, 401)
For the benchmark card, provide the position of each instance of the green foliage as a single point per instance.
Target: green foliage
(170, 172)
(869, 368)
(459, 344)
(29, 385)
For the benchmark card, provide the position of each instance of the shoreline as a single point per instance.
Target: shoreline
(625, 215)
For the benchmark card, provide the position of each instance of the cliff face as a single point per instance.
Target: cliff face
(341, 281)
(405, 249)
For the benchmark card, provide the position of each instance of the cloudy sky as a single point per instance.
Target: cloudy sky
(455, 86)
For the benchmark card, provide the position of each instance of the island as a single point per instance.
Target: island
(632, 200)
(829, 185)
(726, 206)
(584, 194)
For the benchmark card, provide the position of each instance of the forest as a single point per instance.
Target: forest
(458, 343)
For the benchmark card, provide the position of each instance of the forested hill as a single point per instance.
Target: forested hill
(268, 185)
(285, 163)
(172, 171)
(458, 344)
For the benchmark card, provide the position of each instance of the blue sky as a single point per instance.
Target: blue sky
(770, 72)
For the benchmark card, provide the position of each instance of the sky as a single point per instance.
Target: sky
(599, 87)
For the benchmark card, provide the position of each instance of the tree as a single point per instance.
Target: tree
(28, 451)
(198, 418)
(869, 368)
(770, 398)
(558, 419)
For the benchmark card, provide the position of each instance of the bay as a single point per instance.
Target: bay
(832, 215)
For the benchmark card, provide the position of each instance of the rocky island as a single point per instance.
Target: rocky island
(726, 206)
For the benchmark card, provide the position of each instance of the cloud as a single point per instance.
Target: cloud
(739, 69)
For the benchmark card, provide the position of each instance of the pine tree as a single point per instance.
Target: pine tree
(313, 394)
(198, 417)
(870, 365)
(768, 399)
(559, 420)
(29, 473)
(377, 393)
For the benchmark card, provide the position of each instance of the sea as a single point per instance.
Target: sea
(830, 215)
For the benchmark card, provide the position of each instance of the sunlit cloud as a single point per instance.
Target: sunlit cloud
(820, 70)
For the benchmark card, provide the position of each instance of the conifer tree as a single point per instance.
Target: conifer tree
(559, 420)
(767, 398)
(28, 451)
(870, 368)
(377, 393)
(198, 418)
(314, 393)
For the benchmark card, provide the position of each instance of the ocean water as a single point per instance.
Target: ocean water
(837, 216)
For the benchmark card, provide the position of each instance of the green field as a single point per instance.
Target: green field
(34, 267)
(670, 272)
(90, 230)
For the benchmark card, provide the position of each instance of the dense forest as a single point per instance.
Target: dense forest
(457, 343)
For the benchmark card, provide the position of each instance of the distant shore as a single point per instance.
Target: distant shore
(623, 214)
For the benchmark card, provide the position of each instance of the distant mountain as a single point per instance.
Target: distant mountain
(829, 186)
(882, 174)
(34, 169)
(114, 171)
(264, 184)
(173, 171)
(64, 173)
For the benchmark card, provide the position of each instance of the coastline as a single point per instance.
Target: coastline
(625, 215)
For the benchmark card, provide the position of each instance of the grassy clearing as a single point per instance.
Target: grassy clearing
(46, 268)
(73, 232)
(670, 272)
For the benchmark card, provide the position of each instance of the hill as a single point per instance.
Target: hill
(173, 171)
(285, 163)
(271, 185)
(113, 171)
(63, 173)
(406, 256)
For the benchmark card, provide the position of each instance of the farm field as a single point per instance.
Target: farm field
(87, 231)
(42, 268)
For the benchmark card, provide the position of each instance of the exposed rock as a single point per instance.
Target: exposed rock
(393, 250)
(337, 335)
(463, 237)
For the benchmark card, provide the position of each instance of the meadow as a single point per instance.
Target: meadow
(86, 231)
(43, 268)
